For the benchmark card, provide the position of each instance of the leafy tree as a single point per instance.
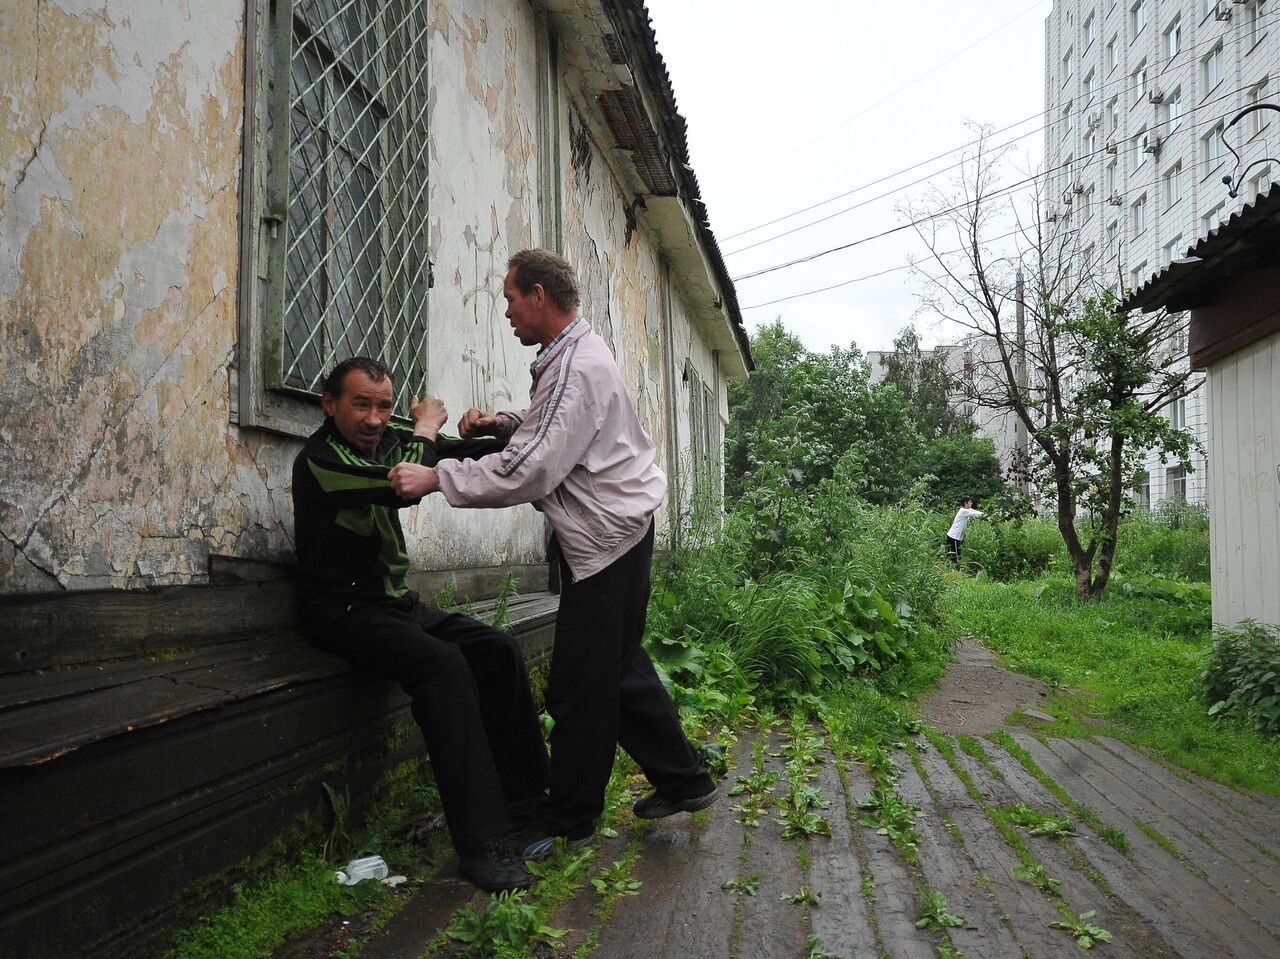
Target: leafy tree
(1085, 379)
(964, 466)
(806, 412)
(923, 378)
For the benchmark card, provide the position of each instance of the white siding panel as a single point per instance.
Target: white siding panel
(1244, 431)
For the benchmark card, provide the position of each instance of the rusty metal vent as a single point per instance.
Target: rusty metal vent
(626, 118)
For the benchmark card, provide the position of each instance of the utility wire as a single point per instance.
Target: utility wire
(1018, 185)
(1133, 189)
(1125, 79)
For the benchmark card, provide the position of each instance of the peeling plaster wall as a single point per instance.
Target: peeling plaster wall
(119, 257)
(119, 161)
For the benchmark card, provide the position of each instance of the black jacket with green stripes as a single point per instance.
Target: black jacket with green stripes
(351, 549)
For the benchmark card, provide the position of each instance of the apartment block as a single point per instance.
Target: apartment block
(1138, 97)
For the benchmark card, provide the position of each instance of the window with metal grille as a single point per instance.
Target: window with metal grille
(348, 265)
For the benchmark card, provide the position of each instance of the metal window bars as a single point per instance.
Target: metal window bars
(348, 184)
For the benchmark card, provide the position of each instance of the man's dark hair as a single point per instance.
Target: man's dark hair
(965, 499)
(553, 272)
(376, 370)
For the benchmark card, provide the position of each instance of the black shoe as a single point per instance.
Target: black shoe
(493, 868)
(653, 806)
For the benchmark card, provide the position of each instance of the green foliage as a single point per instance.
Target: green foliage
(1019, 549)
(934, 912)
(1242, 675)
(803, 896)
(892, 816)
(962, 466)
(617, 881)
(506, 928)
(1040, 823)
(1036, 875)
(1171, 540)
(807, 412)
(923, 379)
(1085, 933)
(748, 886)
(261, 915)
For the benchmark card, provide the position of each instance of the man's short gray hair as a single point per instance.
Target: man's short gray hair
(553, 272)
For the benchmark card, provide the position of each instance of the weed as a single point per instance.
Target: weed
(617, 881)
(797, 823)
(756, 783)
(804, 895)
(947, 950)
(1085, 933)
(748, 886)
(1115, 838)
(507, 927)
(935, 912)
(815, 948)
(891, 816)
(1036, 875)
(1040, 823)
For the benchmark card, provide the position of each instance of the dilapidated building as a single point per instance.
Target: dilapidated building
(204, 205)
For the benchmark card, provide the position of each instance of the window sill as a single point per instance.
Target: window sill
(1256, 43)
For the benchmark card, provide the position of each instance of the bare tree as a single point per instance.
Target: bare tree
(1051, 347)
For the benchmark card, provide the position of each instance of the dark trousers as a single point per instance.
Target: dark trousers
(471, 698)
(603, 692)
(953, 547)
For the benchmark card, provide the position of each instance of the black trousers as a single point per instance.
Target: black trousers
(602, 692)
(471, 699)
(953, 547)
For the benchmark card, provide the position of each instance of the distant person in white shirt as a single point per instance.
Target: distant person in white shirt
(955, 535)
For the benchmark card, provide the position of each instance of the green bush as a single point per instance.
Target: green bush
(1016, 549)
(1172, 540)
(1242, 676)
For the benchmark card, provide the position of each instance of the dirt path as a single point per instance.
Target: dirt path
(1168, 864)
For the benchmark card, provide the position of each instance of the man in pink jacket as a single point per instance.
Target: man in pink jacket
(579, 453)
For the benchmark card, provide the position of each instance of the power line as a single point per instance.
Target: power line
(1124, 79)
(1132, 190)
(1020, 184)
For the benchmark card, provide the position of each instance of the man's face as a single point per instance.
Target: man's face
(524, 310)
(362, 411)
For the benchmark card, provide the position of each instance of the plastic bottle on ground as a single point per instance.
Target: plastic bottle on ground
(366, 867)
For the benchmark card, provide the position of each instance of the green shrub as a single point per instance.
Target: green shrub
(1172, 540)
(1242, 676)
(1017, 549)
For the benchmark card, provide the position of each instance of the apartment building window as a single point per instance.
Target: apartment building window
(1207, 7)
(1140, 81)
(1212, 149)
(1258, 119)
(1175, 484)
(1066, 65)
(1144, 489)
(1086, 202)
(342, 245)
(1140, 142)
(1087, 31)
(1173, 185)
(1088, 258)
(1138, 215)
(1112, 185)
(1138, 16)
(1137, 275)
(1113, 237)
(1253, 27)
(1213, 219)
(1211, 69)
(1260, 182)
(1173, 38)
(1067, 112)
(1172, 111)
(1087, 88)
(1113, 116)
(1172, 250)
(1091, 141)
(1113, 54)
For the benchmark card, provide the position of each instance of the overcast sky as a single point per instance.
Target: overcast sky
(792, 104)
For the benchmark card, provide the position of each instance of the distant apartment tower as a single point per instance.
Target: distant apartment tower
(1137, 96)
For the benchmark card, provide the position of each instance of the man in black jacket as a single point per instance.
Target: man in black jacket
(467, 680)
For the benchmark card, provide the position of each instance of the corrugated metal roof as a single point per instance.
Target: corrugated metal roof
(1246, 240)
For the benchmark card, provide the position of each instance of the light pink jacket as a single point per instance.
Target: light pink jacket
(579, 454)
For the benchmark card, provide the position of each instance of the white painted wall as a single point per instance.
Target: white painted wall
(1244, 484)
